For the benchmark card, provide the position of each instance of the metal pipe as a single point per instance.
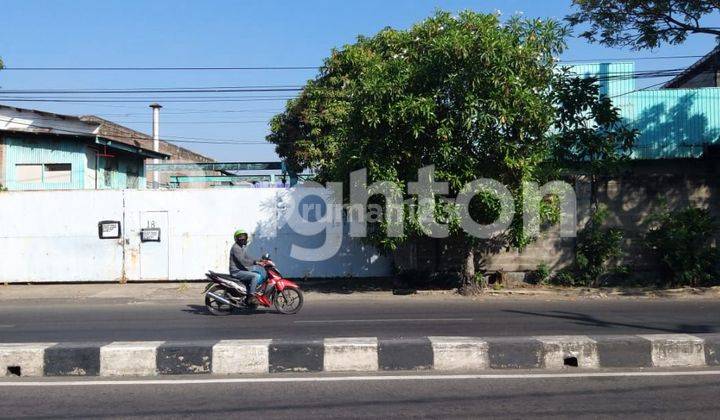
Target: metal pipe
(220, 299)
(156, 139)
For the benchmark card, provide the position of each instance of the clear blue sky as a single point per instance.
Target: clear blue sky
(223, 33)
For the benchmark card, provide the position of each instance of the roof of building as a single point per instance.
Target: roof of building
(117, 132)
(41, 122)
(35, 121)
(22, 120)
(708, 60)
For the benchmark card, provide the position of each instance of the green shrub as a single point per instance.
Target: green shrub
(564, 277)
(481, 280)
(2, 188)
(597, 247)
(682, 242)
(541, 275)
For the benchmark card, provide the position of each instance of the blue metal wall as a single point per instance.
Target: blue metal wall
(672, 123)
(615, 78)
(119, 172)
(41, 150)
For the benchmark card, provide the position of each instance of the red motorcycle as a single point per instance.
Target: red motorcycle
(225, 293)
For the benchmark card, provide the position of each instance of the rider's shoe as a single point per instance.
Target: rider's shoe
(252, 301)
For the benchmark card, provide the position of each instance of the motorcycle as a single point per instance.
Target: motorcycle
(225, 293)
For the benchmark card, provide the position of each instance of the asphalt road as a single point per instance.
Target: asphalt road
(517, 397)
(402, 316)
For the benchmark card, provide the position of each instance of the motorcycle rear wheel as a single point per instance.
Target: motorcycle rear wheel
(289, 301)
(216, 307)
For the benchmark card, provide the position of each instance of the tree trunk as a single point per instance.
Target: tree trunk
(468, 274)
(469, 265)
(593, 193)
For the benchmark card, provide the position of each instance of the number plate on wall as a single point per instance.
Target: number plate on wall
(109, 229)
(150, 235)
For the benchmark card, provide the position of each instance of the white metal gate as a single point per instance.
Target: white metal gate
(154, 246)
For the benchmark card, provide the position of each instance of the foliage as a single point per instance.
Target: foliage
(642, 24)
(472, 95)
(3, 188)
(588, 133)
(481, 281)
(466, 93)
(682, 241)
(564, 277)
(597, 248)
(541, 275)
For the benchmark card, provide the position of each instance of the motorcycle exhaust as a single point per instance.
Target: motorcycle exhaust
(221, 299)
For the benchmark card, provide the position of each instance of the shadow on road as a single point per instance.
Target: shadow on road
(202, 310)
(589, 320)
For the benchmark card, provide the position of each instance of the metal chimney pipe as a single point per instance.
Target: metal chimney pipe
(156, 139)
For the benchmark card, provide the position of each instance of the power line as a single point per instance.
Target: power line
(195, 122)
(250, 68)
(659, 57)
(167, 100)
(637, 90)
(202, 68)
(257, 111)
(152, 90)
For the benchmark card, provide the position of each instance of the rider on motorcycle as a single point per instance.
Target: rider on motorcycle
(240, 263)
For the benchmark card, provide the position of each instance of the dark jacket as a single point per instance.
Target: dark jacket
(239, 259)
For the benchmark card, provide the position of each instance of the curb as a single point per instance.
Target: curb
(153, 358)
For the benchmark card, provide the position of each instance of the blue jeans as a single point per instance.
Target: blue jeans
(249, 278)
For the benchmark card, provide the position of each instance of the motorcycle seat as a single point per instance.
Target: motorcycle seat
(224, 276)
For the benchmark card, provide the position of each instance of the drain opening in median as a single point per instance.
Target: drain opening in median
(570, 361)
(14, 371)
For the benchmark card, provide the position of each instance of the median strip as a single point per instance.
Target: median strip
(359, 354)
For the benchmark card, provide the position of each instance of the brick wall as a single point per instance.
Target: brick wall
(631, 197)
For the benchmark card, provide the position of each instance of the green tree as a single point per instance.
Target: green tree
(589, 137)
(469, 94)
(642, 24)
(683, 241)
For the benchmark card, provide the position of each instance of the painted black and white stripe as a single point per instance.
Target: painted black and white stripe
(358, 354)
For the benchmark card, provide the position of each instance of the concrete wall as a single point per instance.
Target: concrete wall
(645, 187)
(53, 236)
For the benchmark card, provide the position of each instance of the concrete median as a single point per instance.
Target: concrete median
(359, 354)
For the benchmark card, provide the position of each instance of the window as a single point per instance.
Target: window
(58, 173)
(28, 174)
(55, 173)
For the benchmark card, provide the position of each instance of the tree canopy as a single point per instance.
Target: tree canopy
(472, 95)
(642, 24)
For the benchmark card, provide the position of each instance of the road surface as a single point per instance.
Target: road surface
(393, 316)
(506, 396)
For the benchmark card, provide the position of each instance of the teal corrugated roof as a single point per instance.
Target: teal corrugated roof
(672, 123)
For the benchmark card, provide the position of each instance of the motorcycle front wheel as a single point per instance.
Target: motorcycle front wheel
(289, 301)
(216, 307)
